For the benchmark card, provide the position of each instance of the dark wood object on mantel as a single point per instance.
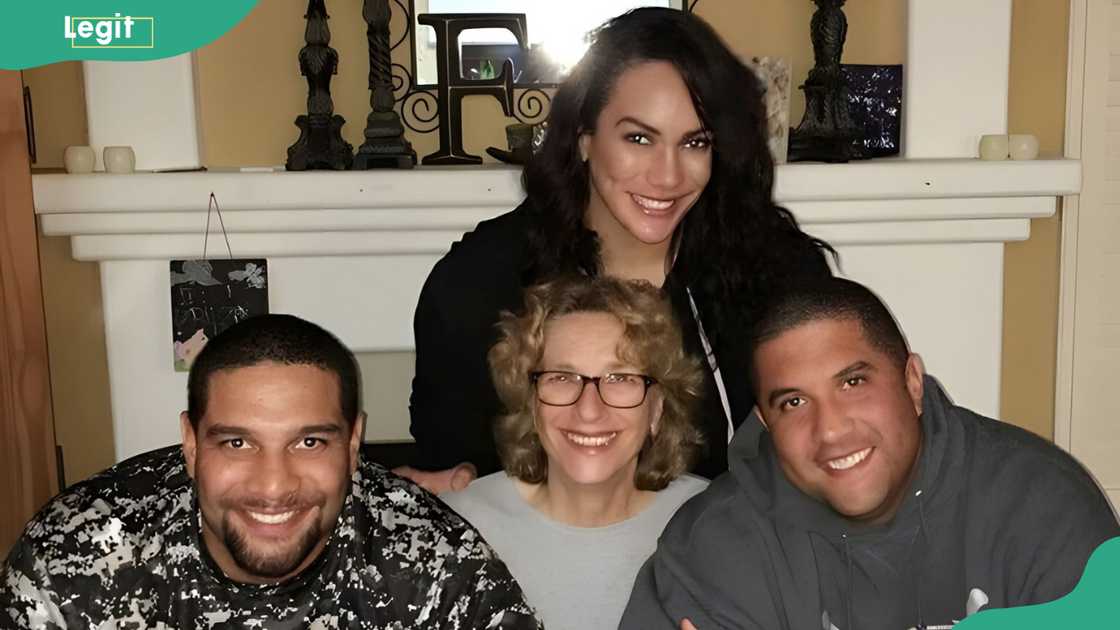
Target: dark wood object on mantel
(826, 132)
(320, 144)
(385, 145)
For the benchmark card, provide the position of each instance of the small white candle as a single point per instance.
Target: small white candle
(994, 147)
(1022, 146)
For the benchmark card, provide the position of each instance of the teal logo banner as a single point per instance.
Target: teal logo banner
(120, 30)
(111, 32)
(1091, 604)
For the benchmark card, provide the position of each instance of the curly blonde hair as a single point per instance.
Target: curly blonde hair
(651, 340)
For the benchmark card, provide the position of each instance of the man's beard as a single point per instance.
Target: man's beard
(277, 564)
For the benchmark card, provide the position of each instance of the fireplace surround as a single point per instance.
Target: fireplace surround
(350, 250)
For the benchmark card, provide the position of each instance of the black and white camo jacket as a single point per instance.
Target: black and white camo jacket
(122, 550)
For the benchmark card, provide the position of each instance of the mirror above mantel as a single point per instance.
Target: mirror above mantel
(556, 37)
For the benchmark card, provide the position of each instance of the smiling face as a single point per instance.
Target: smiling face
(843, 416)
(590, 443)
(271, 460)
(649, 156)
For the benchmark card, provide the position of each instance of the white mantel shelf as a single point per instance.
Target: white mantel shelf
(320, 213)
(351, 250)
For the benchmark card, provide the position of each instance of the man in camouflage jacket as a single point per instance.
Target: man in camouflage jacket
(265, 517)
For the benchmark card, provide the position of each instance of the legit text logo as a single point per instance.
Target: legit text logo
(111, 32)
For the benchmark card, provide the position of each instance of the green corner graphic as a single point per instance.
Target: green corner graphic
(1089, 605)
(47, 31)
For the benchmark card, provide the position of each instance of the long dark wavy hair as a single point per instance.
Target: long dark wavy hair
(735, 244)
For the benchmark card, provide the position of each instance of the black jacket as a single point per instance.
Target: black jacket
(453, 402)
(995, 517)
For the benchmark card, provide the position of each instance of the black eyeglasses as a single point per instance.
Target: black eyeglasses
(617, 389)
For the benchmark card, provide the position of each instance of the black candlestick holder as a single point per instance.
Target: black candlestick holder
(826, 132)
(385, 144)
(320, 144)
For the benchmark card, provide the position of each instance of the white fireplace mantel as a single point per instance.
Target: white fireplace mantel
(163, 215)
(350, 250)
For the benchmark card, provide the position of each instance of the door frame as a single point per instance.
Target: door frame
(28, 473)
(1075, 115)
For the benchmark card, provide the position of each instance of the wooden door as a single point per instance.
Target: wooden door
(28, 477)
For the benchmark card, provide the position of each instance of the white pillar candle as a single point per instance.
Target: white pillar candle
(78, 159)
(994, 146)
(1022, 146)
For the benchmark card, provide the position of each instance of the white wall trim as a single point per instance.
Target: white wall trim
(1075, 102)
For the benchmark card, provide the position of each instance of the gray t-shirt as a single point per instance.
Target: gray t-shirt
(575, 577)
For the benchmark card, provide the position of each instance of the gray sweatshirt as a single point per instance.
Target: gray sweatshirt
(995, 517)
(575, 577)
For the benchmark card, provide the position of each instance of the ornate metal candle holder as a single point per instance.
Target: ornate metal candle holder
(826, 132)
(385, 145)
(320, 144)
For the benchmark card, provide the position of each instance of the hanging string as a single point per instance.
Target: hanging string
(205, 239)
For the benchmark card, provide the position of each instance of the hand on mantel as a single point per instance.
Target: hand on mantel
(440, 481)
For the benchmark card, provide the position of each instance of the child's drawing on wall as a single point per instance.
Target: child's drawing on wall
(208, 296)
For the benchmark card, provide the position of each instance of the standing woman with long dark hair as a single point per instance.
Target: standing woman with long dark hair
(656, 167)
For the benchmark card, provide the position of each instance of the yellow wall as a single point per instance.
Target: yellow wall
(250, 89)
(250, 92)
(780, 28)
(1036, 104)
(83, 421)
(71, 290)
(58, 100)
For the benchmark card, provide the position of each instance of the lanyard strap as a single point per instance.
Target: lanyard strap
(713, 365)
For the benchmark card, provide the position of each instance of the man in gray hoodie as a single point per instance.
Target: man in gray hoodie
(871, 501)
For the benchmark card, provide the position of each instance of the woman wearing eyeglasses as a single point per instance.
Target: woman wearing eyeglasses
(599, 395)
